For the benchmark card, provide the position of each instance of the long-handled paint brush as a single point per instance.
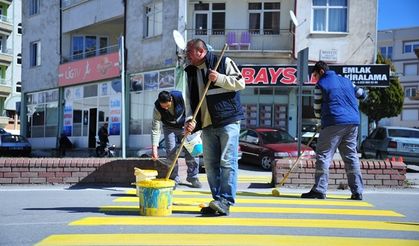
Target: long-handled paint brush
(275, 191)
(182, 143)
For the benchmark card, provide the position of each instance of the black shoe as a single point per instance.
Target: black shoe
(222, 207)
(194, 182)
(313, 194)
(208, 211)
(356, 196)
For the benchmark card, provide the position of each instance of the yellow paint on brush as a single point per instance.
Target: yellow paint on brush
(253, 222)
(217, 240)
(235, 209)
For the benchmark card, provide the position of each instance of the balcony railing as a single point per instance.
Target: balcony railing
(243, 39)
(6, 19)
(90, 53)
(68, 3)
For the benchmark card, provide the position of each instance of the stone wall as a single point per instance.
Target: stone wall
(374, 173)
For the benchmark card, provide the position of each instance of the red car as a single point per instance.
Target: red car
(263, 145)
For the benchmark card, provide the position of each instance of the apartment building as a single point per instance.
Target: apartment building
(400, 45)
(10, 64)
(72, 81)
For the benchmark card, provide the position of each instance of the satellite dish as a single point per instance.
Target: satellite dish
(179, 40)
(294, 18)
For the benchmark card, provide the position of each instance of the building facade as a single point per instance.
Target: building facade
(75, 85)
(399, 46)
(10, 64)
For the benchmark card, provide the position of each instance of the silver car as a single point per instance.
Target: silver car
(389, 141)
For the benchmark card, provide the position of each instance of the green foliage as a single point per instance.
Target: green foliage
(384, 102)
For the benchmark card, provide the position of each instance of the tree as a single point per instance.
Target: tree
(384, 102)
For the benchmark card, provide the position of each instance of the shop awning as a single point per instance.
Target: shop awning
(10, 103)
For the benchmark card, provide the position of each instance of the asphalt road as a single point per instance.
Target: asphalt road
(62, 215)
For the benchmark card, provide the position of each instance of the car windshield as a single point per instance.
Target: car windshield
(403, 133)
(272, 137)
(12, 139)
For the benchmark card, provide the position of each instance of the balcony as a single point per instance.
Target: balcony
(5, 87)
(6, 24)
(241, 40)
(6, 55)
(90, 53)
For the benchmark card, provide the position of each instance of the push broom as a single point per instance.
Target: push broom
(181, 44)
(275, 191)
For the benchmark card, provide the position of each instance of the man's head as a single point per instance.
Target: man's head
(105, 124)
(319, 69)
(196, 49)
(165, 100)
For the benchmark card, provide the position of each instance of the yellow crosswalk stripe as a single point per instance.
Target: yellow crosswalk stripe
(302, 210)
(197, 201)
(217, 239)
(239, 193)
(254, 222)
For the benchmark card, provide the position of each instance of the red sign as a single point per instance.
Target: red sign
(90, 69)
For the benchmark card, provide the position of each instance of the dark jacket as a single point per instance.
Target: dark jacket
(177, 120)
(103, 135)
(224, 107)
(339, 102)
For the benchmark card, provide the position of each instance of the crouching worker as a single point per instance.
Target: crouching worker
(169, 110)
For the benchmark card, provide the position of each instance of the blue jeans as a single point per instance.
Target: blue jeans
(344, 138)
(170, 136)
(220, 160)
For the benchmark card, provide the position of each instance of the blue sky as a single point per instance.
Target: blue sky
(397, 14)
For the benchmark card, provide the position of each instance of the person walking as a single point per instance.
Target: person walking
(219, 118)
(169, 111)
(103, 139)
(335, 102)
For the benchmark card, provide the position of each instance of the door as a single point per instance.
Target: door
(92, 127)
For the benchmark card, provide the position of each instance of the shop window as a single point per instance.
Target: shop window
(90, 91)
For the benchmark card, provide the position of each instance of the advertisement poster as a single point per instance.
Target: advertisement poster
(68, 119)
(137, 82)
(150, 81)
(115, 115)
(167, 79)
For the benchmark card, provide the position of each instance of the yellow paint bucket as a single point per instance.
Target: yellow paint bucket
(156, 197)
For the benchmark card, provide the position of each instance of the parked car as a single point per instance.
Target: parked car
(263, 145)
(309, 128)
(14, 145)
(4, 132)
(389, 141)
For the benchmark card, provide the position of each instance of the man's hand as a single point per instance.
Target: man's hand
(154, 153)
(213, 75)
(190, 126)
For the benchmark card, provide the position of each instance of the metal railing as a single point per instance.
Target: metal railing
(90, 53)
(6, 19)
(243, 39)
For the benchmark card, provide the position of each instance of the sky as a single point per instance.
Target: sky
(397, 14)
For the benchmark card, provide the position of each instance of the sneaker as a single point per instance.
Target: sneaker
(222, 207)
(356, 196)
(208, 211)
(195, 182)
(313, 194)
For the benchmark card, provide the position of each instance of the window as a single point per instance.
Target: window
(410, 115)
(387, 52)
(33, 7)
(18, 86)
(330, 15)
(410, 91)
(154, 19)
(35, 54)
(19, 28)
(409, 47)
(88, 46)
(19, 58)
(410, 69)
(264, 18)
(206, 13)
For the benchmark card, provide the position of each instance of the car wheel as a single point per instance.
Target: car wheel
(266, 162)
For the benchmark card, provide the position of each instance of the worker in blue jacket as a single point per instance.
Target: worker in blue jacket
(335, 102)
